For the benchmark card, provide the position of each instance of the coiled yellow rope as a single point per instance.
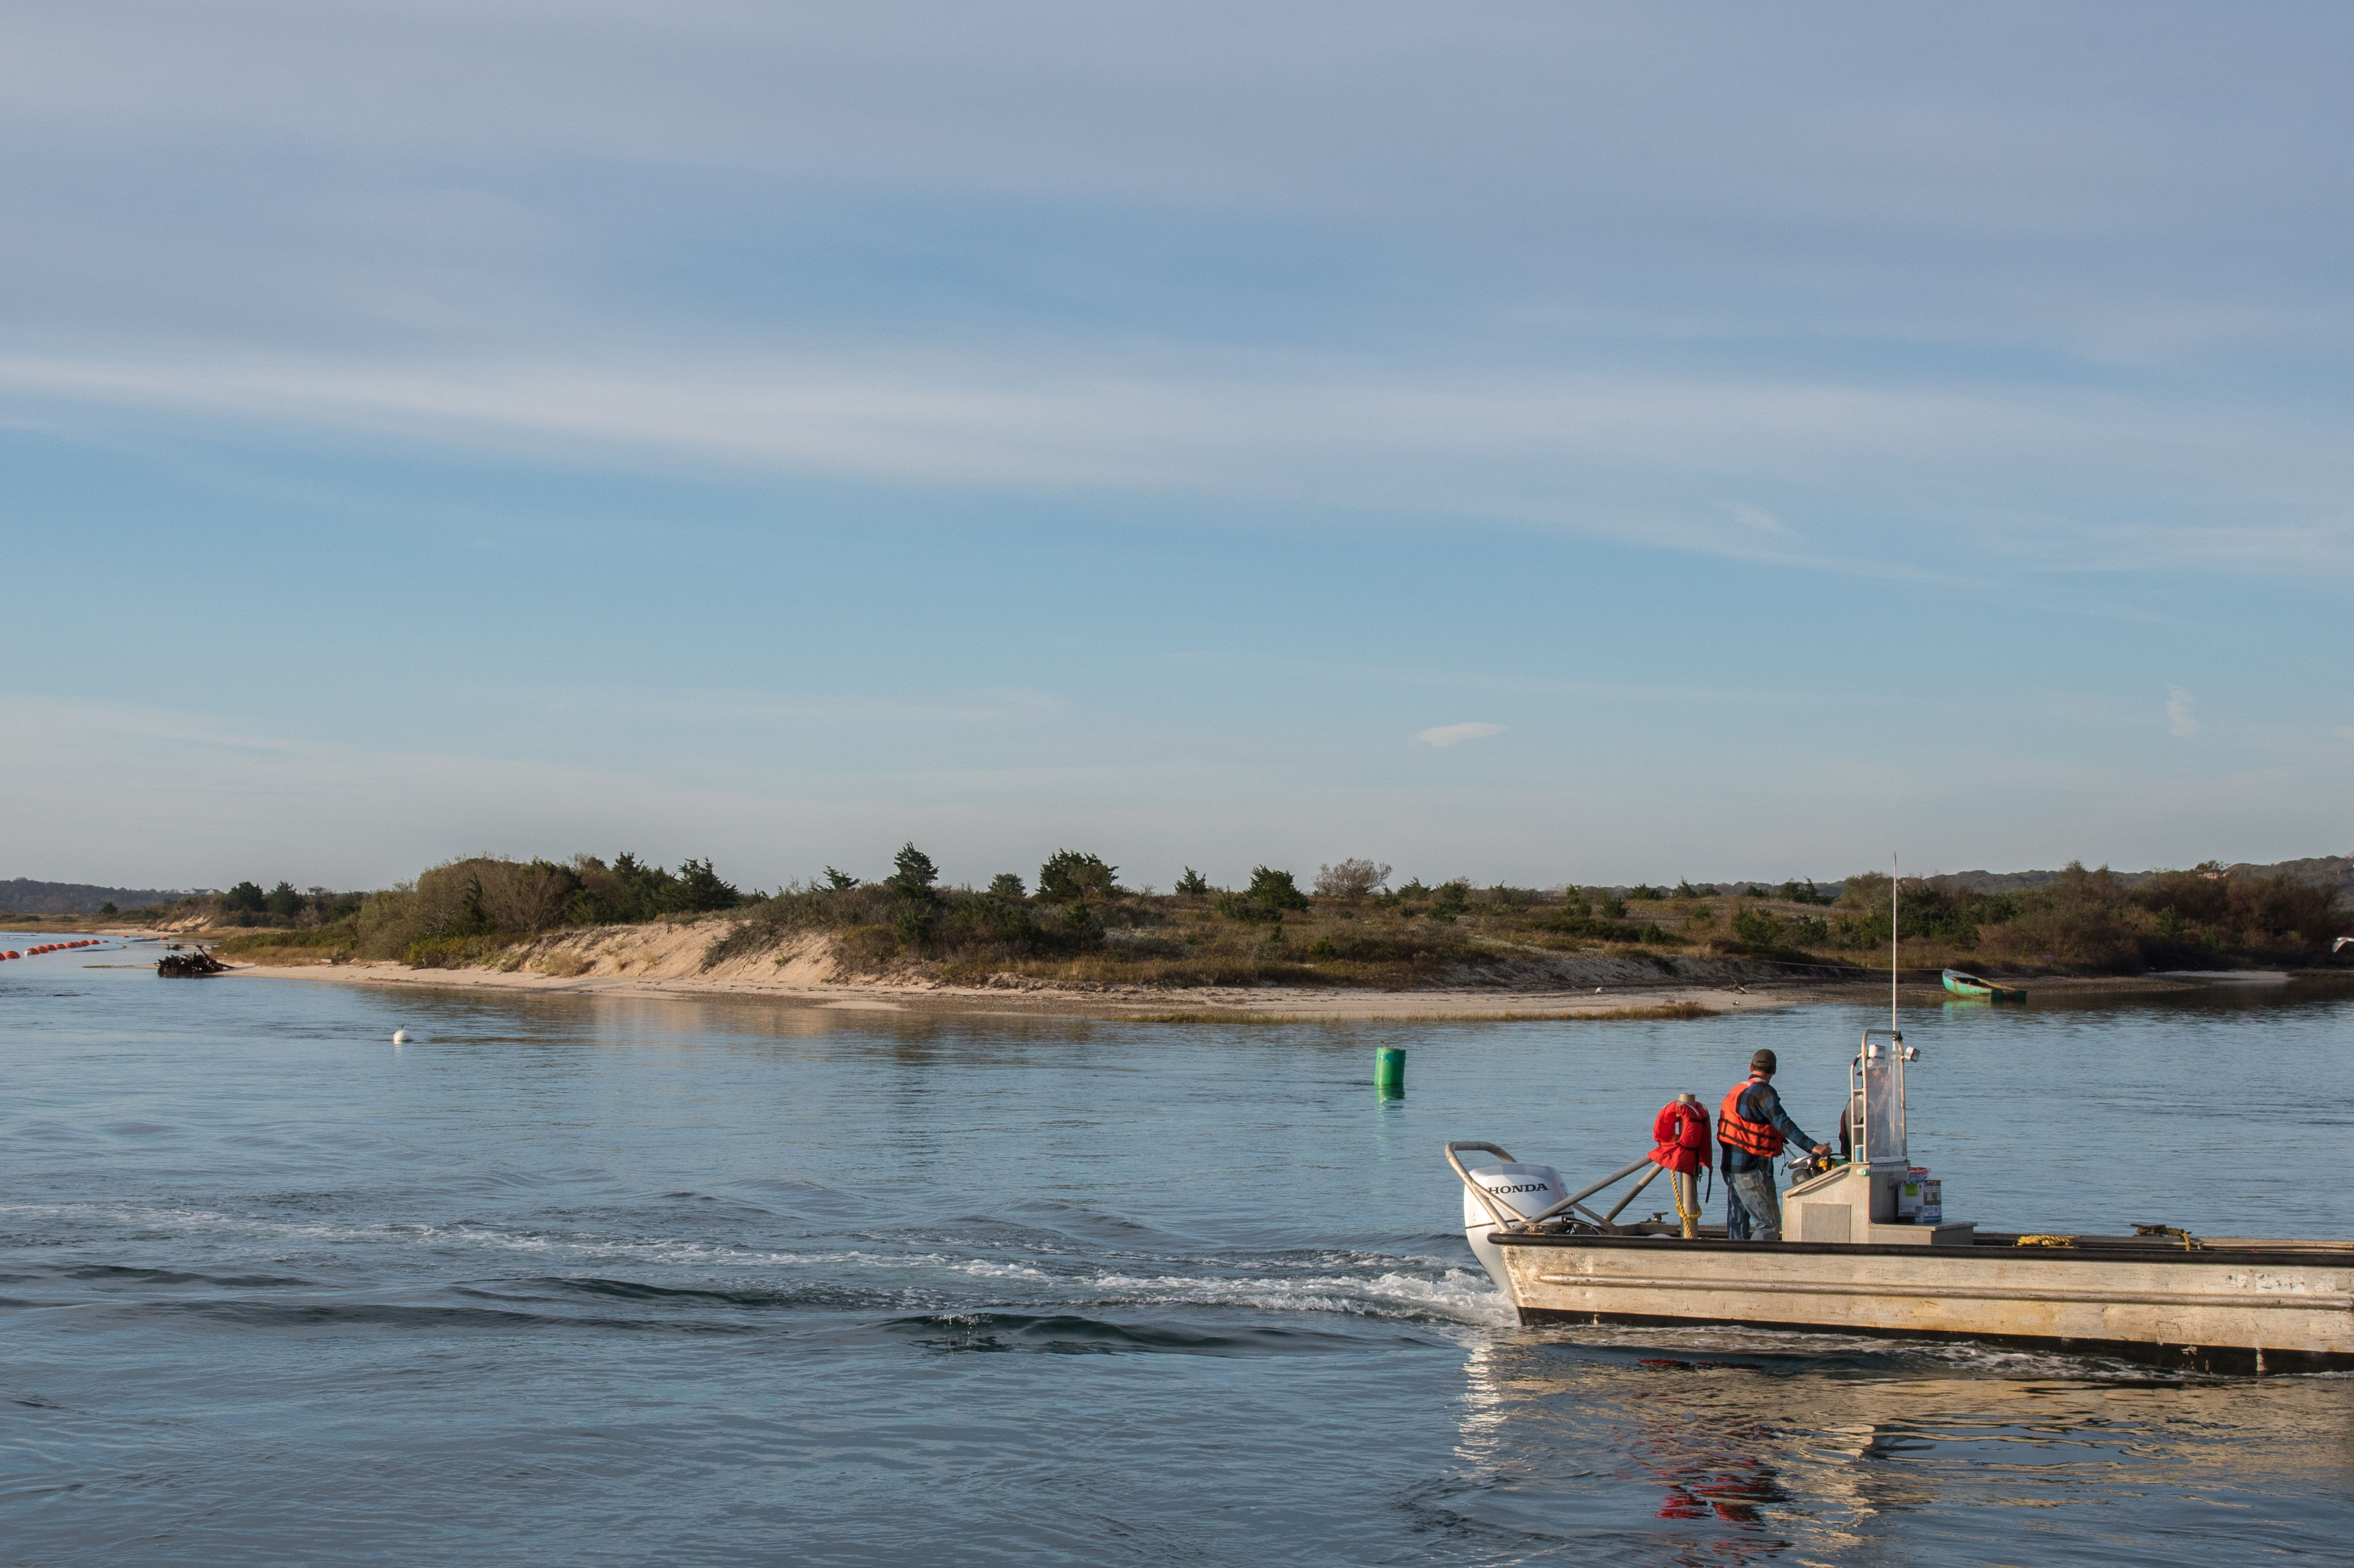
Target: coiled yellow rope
(1678, 1183)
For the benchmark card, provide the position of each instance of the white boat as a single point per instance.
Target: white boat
(1857, 1263)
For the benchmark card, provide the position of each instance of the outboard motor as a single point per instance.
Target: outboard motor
(1517, 1189)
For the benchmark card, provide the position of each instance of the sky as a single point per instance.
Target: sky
(1528, 442)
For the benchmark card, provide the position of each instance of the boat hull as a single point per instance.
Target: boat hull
(2217, 1310)
(1981, 990)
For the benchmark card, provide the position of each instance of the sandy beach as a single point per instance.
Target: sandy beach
(1206, 1004)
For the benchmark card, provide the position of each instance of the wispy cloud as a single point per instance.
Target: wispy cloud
(1605, 454)
(1451, 734)
(2179, 720)
(1758, 517)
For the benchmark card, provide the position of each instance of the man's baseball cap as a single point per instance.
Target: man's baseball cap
(1762, 1062)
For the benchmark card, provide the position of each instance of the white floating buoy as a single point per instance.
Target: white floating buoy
(400, 1036)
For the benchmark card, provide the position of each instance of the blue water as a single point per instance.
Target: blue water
(589, 1280)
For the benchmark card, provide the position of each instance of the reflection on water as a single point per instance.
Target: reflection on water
(580, 1280)
(1722, 1446)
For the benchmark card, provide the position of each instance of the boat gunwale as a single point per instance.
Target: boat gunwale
(1986, 1247)
(2228, 1361)
(1962, 983)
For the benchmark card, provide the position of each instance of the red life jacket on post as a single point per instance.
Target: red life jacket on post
(1739, 1132)
(1681, 1133)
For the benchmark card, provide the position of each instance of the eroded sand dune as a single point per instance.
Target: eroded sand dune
(806, 968)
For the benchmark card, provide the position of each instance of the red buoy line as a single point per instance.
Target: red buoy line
(55, 947)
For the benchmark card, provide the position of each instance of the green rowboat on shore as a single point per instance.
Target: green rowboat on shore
(1961, 984)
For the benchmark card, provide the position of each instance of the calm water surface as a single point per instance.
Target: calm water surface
(582, 1281)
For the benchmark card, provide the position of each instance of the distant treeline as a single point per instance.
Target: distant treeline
(283, 908)
(2094, 920)
(2331, 871)
(1348, 914)
(23, 895)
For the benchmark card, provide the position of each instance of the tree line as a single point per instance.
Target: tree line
(1076, 904)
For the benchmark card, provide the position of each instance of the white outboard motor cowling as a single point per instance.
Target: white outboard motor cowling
(1517, 1189)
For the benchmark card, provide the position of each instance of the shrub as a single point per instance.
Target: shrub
(2086, 919)
(2212, 908)
(245, 899)
(1270, 893)
(1928, 910)
(864, 948)
(1275, 889)
(1453, 898)
(1006, 885)
(1193, 885)
(1614, 929)
(452, 952)
(335, 937)
(1350, 879)
(1069, 877)
(697, 889)
(483, 895)
(1079, 930)
(471, 917)
(1239, 907)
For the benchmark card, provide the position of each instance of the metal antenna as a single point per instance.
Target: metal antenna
(1892, 942)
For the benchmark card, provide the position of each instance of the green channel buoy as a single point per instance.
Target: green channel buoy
(1389, 1069)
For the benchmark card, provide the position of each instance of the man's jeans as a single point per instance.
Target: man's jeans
(1753, 1210)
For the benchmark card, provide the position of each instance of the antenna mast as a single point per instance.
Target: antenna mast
(1892, 942)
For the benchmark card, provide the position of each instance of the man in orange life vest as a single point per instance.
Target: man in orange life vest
(1753, 1126)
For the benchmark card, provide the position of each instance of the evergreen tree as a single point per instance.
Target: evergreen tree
(912, 874)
